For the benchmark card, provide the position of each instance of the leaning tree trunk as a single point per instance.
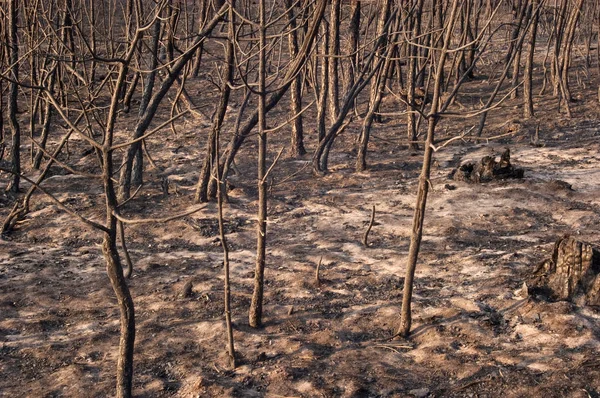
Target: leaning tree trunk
(211, 159)
(374, 103)
(125, 179)
(423, 189)
(13, 56)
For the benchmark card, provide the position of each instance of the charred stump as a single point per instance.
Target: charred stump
(488, 169)
(571, 274)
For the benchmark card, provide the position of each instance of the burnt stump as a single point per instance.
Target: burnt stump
(572, 273)
(488, 169)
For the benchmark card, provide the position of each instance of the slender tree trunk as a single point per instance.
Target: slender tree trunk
(423, 189)
(333, 61)
(224, 245)
(528, 72)
(377, 86)
(508, 64)
(125, 302)
(48, 110)
(153, 103)
(324, 86)
(353, 45)
(256, 307)
(13, 56)
(566, 60)
(517, 58)
(114, 268)
(211, 159)
(244, 131)
(411, 78)
(297, 143)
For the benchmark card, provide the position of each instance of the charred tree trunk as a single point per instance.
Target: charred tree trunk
(333, 61)
(37, 161)
(297, 142)
(144, 121)
(353, 45)
(324, 85)
(528, 72)
(423, 189)
(114, 268)
(256, 306)
(377, 87)
(211, 159)
(566, 60)
(13, 91)
(411, 78)
(244, 131)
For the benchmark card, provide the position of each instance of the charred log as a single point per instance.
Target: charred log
(488, 169)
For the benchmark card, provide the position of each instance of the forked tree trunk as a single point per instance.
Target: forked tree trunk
(114, 268)
(212, 158)
(568, 43)
(246, 128)
(125, 179)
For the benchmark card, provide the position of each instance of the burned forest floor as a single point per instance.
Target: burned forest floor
(476, 332)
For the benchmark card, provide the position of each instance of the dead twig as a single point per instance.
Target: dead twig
(317, 276)
(365, 237)
(156, 220)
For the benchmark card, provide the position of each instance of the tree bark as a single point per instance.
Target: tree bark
(423, 189)
(256, 307)
(211, 159)
(297, 142)
(528, 111)
(144, 121)
(13, 55)
(333, 61)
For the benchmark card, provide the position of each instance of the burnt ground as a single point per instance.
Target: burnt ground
(475, 333)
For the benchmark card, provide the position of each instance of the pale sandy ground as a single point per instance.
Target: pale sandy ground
(474, 333)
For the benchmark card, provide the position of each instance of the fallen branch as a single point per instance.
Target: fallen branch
(366, 234)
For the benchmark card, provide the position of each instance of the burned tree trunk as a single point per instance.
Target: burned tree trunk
(13, 51)
(572, 273)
